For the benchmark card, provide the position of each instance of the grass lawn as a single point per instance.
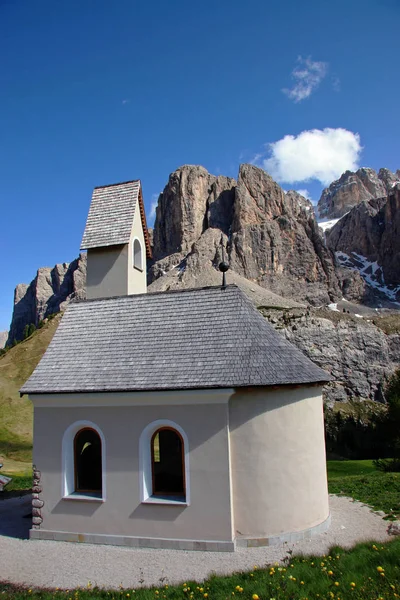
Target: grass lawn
(16, 413)
(360, 480)
(368, 571)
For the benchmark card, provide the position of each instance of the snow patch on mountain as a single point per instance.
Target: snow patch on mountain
(325, 225)
(370, 271)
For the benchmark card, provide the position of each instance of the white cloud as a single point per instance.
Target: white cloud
(307, 75)
(316, 154)
(304, 193)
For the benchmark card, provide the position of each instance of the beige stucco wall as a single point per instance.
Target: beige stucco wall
(207, 518)
(110, 270)
(137, 280)
(278, 466)
(107, 270)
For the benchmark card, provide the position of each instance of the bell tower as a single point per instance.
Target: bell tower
(117, 241)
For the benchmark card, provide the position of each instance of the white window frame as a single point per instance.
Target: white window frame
(68, 463)
(136, 239)
(145, 466)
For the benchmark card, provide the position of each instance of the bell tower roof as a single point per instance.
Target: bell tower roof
(111, 215)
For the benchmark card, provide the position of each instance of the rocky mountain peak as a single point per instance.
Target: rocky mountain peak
(299, 202)
(192, 201)
(388, 178)
(367, 239)
(271, 240)
(275, 248)
(3, 338)
(352, 188)
(48, 293)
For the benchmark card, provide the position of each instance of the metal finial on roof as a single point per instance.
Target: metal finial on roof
(223, 265)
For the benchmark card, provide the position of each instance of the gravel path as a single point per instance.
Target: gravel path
(67, 565)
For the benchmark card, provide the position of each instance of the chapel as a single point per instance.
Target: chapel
(176, 419)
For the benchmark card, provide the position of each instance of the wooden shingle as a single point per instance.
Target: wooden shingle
(187, 339)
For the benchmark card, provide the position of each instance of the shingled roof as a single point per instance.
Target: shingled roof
(111, 215)
(199, 338)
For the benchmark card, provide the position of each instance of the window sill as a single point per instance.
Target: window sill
(174, 501)
(84, 497)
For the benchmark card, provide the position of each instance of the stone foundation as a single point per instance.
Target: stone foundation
(37, 503)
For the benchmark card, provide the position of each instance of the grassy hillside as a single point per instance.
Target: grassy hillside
(15, 412)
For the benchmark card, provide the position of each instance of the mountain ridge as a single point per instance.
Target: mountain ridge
(276, 250)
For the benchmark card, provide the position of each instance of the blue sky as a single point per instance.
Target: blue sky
(95, 92)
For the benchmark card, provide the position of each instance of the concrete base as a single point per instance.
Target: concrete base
(297, 536)
(168, 544)
(133, 542)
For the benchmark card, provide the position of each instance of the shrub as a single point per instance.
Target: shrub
(391, 425)
(355, 436)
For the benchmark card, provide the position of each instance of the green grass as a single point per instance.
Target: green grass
(349, 468)
(18, 482)
(360, 480)
(16, 413)
(356, 572)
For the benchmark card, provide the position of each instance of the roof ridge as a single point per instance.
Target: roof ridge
(156, 293)
(98, 187)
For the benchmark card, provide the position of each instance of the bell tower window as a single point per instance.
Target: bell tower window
(137, 255)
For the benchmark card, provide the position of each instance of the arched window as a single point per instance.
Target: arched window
(137, 255)
(164, 472)
(167, 463)
(84, 462)
(87, 461)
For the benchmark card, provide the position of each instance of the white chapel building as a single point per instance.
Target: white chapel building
(174, 419)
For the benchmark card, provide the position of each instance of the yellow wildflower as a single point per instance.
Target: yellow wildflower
(255, 597)
(336, 583)
(330, 572)
(352, 584)
(380, 569)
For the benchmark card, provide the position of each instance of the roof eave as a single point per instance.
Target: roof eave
(173, 389)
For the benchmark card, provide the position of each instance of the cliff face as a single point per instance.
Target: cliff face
(357, 353)
(192, 201)
(352, 188)
(367, 238)
(3, 338)
(276, 251)
(278, 257)
(48, 293)
(272, 239)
